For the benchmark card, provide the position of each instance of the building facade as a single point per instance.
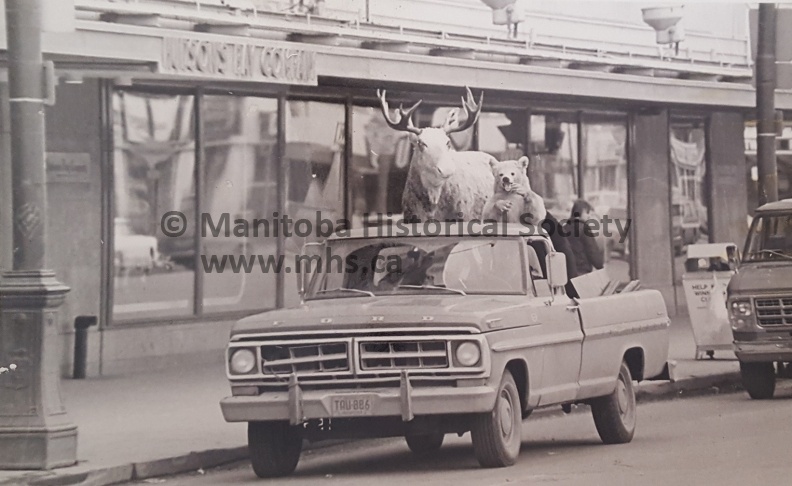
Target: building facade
(259, 110)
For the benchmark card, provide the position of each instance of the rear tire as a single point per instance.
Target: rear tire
(275, 448)
(497, 435)
(423, 444)
(758, 379)
(615, 414)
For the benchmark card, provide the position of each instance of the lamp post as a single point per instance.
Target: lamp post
(35, 431)
(765, 104)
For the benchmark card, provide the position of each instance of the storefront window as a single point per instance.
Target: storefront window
(688, 190)
(688, 151)
(315, 158)
(154, 165)
(502, 135)
(605, 188)
(240, 174)
(378, 169)
(554, 161)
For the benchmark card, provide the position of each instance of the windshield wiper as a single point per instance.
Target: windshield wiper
(432, 287)
(772, 252)
(366, 292)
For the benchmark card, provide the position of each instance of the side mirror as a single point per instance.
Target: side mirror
(556, 270)
(308, 262)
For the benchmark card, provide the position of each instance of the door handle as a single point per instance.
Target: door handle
(572, 308)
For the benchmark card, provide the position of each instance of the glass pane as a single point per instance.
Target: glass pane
(605, 189)
(554, 164)
(688, 154)
(502, 135)
(154, 163)
(378, 170)
(314, 156)
(688, 198)
(770, 238)
(240, 170)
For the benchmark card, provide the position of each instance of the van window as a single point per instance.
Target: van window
(770, 238)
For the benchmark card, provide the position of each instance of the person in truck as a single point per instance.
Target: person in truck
(582, 241)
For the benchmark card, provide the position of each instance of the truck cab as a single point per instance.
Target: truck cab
(759, 300)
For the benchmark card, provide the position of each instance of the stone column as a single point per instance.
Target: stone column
(650, 204)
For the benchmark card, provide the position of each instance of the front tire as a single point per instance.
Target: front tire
(497, 435)
(615, 414)
(275, 448)
(423, 444)
(758, 379)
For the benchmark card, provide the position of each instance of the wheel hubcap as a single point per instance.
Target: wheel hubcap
(506, 415)
(624, 399)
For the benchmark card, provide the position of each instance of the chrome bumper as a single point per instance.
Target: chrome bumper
(406, 402)
(763, 351)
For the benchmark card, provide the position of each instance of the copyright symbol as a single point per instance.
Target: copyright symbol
(173, 224)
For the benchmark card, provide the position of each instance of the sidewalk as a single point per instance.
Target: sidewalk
(142, 426)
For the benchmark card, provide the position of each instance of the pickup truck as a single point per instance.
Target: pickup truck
(759, 300)
(420, 336)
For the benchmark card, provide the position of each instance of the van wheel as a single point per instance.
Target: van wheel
(758, 379)
(274, 447)
(615, 414)
(424, 443)
(497, 435)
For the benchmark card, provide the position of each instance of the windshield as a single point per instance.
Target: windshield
(770, 238)
(420, 265)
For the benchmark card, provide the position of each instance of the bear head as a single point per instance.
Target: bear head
(510, 174)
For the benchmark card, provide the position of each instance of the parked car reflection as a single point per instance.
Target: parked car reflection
(132, 250)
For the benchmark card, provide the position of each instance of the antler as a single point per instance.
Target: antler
(404, 123)
(472, 111)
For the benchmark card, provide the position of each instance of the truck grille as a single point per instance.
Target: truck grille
(388, 355)
(301, 358)
(774, 312)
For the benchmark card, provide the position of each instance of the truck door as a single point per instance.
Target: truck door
(562, 338)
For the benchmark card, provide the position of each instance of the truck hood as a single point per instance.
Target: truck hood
(386, 311)
(761, 277)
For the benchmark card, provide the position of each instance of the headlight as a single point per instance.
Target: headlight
(741, 308)
(243, 361)
(468, 353)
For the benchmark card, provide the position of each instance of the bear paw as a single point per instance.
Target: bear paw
(503, 206)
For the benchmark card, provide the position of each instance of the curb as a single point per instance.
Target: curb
(693, 386)
(202, 460)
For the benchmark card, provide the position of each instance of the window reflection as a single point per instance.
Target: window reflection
(314, 156)
(689, 207)
(502, 135)
(554, 164)
(605, 187)
(154, 163)
(689, 223)
(378, 169)
(240, 143)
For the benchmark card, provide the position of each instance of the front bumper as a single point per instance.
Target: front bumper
(763, 351)
(406, 402)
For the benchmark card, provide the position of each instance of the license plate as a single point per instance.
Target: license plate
(352, 405)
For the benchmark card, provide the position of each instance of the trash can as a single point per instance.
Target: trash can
(708, 269)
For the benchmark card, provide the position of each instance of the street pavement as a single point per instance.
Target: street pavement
(146, 425)
(719, 440)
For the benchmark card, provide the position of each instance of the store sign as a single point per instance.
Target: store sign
(68, 167)
(238, 61)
